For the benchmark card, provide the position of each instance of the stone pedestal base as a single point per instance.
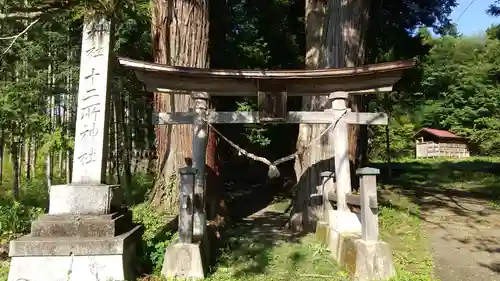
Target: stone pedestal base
(365, 261)
(322, 232)
(184, 261)
(77, 268)
(83, 199)
(341, 222)
(373, 261)
(344, 221)
(87, 235)
(73, 258)
(339, 246)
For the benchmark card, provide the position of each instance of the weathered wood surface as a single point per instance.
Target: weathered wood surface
(242, 117)
(354, 199)
(186, 204)
(90, 149)
(341, 150)
(160, 78)
(271, 102)
(442, 149)
(379, 90)
(369, 214)
(200, 140)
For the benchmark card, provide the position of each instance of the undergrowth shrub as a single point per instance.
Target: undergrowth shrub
(16, 218)
(155, 238)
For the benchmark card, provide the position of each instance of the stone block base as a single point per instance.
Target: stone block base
(70, 268)
(344, 221)
(322, 230)
(340, 246)
(373, 261)
(73, 258)
(365, 261)
(80, 225)
(83, 199)
(184, 261)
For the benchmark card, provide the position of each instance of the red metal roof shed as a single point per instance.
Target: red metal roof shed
(438, 133)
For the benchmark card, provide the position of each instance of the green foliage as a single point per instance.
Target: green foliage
(256, 34)
(16, 218)
(401, 132)
(155, 237)
(136, 192)
(494, 9)
(464, 89)
(493, 32)
(412, 259)
(461, 95)
(56, 141)
(255, 133)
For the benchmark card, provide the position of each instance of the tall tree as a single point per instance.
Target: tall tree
(334, 38)
(180, 38)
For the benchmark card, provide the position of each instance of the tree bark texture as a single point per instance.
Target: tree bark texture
(180, 38)
(2, 149)
(17, 169)
(27, 159)
(335, 39)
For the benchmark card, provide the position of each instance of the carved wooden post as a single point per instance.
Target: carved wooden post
(369, 208)
(186, 196)
(200, 139)
(341, 146)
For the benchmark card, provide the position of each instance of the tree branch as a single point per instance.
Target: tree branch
(15, 37)
(22, 15)
(30, 13)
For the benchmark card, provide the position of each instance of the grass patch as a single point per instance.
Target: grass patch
(280, 205)
(247, 260)
(400, 226)
(478, 175)
(155, 238)
(400, 223)
(4, 270)
(495, 204)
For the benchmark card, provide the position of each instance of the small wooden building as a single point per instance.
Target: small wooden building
(440, 143)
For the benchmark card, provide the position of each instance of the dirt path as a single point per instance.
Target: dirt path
(464, 234)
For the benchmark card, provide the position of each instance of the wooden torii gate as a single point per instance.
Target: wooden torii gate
(272, 89)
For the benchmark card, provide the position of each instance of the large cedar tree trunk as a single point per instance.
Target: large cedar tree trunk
(180, 38)
(334, 38)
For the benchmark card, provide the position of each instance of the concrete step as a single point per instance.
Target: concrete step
(80, 226)
(30, 245)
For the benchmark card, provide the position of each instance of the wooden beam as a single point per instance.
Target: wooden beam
(294, 117)
(353, 199)
(366, 118)
(379, 90)
(272, 101)
(233, 87)
(368, 191)
(160, 78)
(164, 118)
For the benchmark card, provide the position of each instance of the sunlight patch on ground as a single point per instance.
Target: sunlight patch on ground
(304, 260)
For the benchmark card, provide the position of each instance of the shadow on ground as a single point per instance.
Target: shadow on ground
(458, 201)
(252, 242)
(260, 248)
